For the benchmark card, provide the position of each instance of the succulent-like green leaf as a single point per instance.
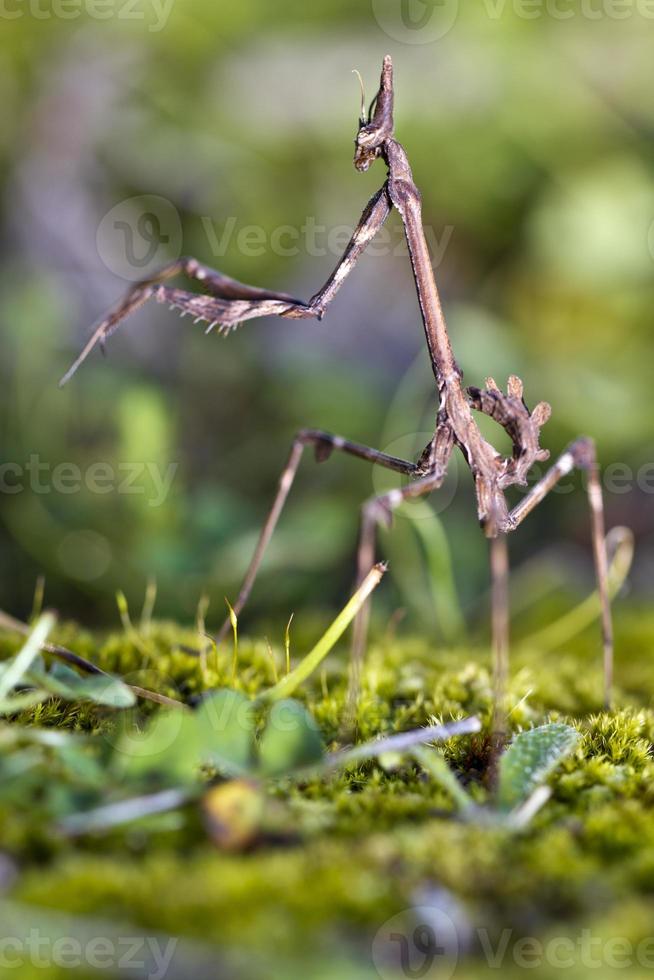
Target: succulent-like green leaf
(530, 759)
(225, 721)
(291, 740)
(169, 749)
(177, 742)
(99, 688)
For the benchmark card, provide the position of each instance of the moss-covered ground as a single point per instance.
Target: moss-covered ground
(340, 855)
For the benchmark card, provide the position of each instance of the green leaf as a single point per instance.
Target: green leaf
(530, 759)
(289, 684)
(176, 743)
(291, 740)
(99, 688)
(226, 722)
(169, 749)
(83, 765)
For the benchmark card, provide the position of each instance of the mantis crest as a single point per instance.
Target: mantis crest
(227, 303)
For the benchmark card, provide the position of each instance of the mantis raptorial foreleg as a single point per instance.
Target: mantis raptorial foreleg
(231, 302)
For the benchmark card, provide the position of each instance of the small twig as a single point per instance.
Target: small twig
(201, 627)
(67, 656)
(146, 695)
(404, 741)
(115, 814)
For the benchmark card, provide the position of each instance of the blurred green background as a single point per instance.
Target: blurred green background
(225, 131)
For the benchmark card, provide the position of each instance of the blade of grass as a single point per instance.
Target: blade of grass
(431, 534)
(556, 634)
(26, 655)
(434, 763)
(314, 658)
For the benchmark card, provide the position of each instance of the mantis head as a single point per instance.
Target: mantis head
(375, 125)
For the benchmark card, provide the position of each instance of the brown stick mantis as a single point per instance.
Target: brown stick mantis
(228, 303)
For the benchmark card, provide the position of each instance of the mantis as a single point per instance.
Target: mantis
(227, 303)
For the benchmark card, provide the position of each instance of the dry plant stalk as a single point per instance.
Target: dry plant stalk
(228, 303)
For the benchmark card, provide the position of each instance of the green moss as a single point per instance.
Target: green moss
(342, 854)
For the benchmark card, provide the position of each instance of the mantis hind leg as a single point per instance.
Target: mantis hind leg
(324, 444)
(581, 455)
